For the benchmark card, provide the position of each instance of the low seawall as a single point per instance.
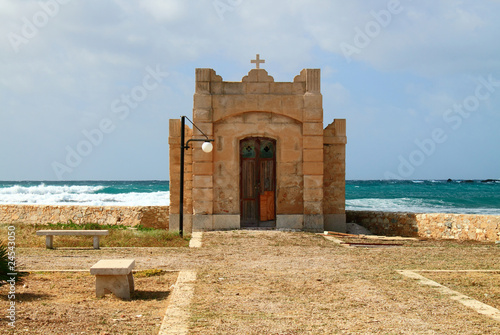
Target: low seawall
(424, 225)
(429, 225)
(147, 216)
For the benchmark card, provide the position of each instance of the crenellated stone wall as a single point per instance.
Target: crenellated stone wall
(429, 225)
(147, 216)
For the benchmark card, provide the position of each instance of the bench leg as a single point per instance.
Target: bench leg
(96, 242)
(130, 278)
(118, 285)
(49, 239)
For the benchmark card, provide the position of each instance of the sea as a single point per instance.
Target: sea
(416, 196)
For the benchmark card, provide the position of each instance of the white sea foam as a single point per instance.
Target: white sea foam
(43, 189)
(79, 195)
(412, 206)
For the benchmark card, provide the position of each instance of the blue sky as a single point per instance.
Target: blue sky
(417, 81)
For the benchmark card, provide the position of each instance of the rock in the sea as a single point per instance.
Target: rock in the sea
(490, 181)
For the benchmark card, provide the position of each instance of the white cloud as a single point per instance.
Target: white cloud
(165, 10)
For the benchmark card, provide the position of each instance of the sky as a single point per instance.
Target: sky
(87, 88)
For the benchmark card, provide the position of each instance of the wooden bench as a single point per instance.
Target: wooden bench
(50, 235)
(115, 276)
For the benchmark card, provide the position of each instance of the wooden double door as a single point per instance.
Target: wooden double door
(258, 182)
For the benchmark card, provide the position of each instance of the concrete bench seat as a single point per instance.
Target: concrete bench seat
(51, 233)
(115, 276)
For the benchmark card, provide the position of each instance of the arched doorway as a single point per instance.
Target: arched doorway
(258, 182)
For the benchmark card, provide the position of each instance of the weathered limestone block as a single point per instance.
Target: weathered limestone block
(233, 88)
(281, 88)
(202, 207)
(290, 200)
(204, 194)
(312, 101)
(312, 208)
(115, 276)
(257, 88)
(313, 168)
(313, 194)
(313, 114)
(313, 142)
(313, 155)
(313, 181)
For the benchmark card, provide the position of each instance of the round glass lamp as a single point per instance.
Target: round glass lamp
(207, 147)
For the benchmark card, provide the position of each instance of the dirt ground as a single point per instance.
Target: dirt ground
(271, 282)
(297, 283)
(65, 303)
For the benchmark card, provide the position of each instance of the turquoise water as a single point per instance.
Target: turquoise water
(475, 197)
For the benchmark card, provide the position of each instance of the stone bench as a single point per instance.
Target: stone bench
(50, 235)
(115, 276)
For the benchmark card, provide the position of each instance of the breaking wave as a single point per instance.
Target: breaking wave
(89, 195)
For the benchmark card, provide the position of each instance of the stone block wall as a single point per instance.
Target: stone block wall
(433, 225)
(386, 223)
(334, 137)
(148, 216)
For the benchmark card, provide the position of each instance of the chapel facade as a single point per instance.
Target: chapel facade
(273, 164)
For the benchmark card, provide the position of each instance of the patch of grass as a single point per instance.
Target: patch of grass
(148, 273)
(119, 236)
(70, 225)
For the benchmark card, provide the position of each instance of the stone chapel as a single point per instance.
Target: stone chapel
(273, 163)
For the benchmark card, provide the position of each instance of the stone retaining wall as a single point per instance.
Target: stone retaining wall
(147, 216)
(434, 225)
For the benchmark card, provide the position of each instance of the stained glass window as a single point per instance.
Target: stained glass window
(248, 149)
(266, 149)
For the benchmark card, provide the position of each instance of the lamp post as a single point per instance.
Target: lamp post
(206, 147)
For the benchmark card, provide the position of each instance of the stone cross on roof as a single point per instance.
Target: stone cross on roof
(257, 61)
